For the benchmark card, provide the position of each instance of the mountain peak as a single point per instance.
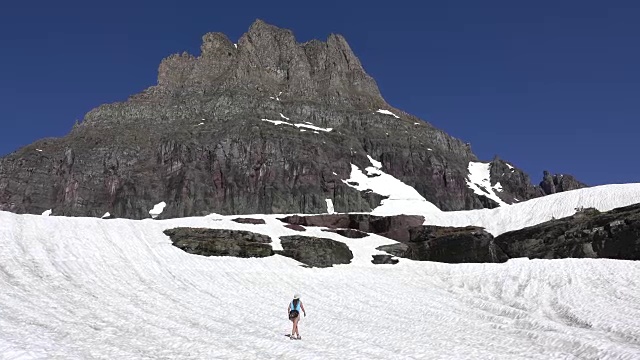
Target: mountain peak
(268, 59)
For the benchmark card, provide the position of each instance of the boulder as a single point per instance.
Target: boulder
(587, 234)
(348, 233)
(448, 245)
(295, 227)
(218, 242)
(384, 259)
(315, 252)
(249, 221)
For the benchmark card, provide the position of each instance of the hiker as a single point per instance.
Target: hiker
(294, 315)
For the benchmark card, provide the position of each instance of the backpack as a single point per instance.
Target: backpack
(293, 313)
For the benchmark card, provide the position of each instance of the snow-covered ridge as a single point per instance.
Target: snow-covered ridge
(538, 210)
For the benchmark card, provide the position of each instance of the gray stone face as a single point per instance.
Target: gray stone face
(218, 242)
(453, 245)
(196, 140)
(315, 252)
(587, 234)
(552, 184)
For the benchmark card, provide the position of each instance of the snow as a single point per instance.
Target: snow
(38, 150)
(235, 45)
(277, 97)
(402, 198)
(376, 164)
(479, 180)
(330, 209)
(157, 209)
(277, 122)
(305, 126)
(106, 215)
(535, 211)
(47, 212)
(82, 288)
(387, 112)
(284, 117)
(430, 149)
(509, 166)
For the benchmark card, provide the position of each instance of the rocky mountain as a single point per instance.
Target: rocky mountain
(265, 125)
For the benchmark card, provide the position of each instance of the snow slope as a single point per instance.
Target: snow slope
(81, 288)
(535, 211)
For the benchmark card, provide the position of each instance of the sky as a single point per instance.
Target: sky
(546, 85)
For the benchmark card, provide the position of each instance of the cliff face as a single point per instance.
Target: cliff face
(267, 125)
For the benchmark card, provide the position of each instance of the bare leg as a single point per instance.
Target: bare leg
(295, 325)
(293, 328)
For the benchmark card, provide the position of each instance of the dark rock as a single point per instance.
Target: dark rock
(394, 227)
(448, 245)
(348, 233)
(218, 242)
(399, 249)
(250, 221)
(587, 234)
(295, 227)
(315, 252)
(552, 184)
(453, 245)
(384, 259)
(515, 183)
(517, 186)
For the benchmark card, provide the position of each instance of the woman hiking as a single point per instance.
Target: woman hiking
(294, 315)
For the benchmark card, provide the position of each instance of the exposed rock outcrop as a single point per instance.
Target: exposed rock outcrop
(384, 259)
(348, 233)
(249, 221)
(448, 245)
(587, 234)
(552, 184)
(295, 227)
(218, 242)
(315, 252)
(393, 227)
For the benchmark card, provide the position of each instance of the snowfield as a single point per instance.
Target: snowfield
(88, 288)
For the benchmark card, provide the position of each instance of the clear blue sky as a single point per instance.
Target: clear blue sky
(548, 85)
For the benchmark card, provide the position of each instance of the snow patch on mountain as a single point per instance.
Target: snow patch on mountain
(330, 209)
(387, 112)
(315, 129)
(157, 209)
(400, 197)
(479, 180)
(47, 212)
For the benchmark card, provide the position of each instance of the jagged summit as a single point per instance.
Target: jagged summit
(268, 60)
